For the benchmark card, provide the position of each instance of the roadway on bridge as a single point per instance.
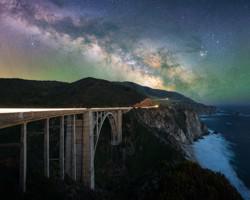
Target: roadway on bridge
(15, 116)
(25, 110)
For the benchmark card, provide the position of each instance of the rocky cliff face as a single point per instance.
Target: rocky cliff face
(171, 125)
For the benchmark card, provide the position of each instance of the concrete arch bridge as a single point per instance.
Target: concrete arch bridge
(80, 129)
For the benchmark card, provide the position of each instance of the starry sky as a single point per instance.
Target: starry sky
(200, 48)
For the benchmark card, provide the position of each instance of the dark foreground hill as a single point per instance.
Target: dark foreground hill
(88, 92)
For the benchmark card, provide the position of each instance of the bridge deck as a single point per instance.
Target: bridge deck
(16, 116)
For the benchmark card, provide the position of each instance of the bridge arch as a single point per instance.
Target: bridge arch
(93, 123)
(113, 121)
(107, 152)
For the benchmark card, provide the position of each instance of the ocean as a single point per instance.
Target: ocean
(227, 148)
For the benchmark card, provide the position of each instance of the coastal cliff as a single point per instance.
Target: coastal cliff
(152, 161)
(177, 127)
(182, 125)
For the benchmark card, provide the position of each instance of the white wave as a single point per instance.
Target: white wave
(213, 152)
(210, 131)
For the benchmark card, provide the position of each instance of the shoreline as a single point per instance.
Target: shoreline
(189, 152)
(206, 158)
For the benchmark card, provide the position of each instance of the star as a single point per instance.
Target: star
(203, 53)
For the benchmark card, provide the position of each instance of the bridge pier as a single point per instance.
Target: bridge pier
(61, 148)
(23, 158)
(69, 146)
(88, 150)
(116, 126)
(46, 149)
(79, 148)
(73, 148)
(119, 127)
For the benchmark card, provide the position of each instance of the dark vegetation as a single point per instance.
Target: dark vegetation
(88, 92)
(9, 160)
(185, 181)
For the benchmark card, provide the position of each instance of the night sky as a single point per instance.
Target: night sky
(200, 48)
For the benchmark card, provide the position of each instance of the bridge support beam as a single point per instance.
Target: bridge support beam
(73, 148)
(68, 145)
(116, 127)
(88, 150)
(79, 148)
(119, 126)
(61, 148)
(46, 149)
(23, 158)
(70, 150)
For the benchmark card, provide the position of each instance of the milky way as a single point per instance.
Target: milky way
(199, 48)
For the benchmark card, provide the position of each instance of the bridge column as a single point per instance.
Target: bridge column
(116, 127)
(46, 148)
(61, 148)
(119, 127)
(88, 150)
(23, 158)
(73, 146)
(79, 148)
(68, 144)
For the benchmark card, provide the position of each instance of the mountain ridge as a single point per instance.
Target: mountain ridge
(86, 92)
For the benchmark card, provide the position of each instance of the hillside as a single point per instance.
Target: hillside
(87, 92)
(169, 98)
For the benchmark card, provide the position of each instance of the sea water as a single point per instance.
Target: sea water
(227, 148)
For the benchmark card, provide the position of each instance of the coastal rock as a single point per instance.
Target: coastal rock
(180, 126)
